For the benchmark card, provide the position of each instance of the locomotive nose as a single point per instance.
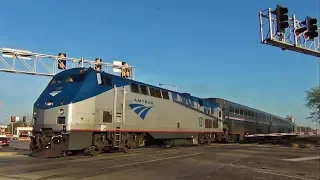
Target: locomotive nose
(55, 119)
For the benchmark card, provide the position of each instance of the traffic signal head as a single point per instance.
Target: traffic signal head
(282, 18)
(24, 118)
(62, 64)
(13, 119)
(98, 65)
(312, 28)
(300, 30)
(125, 71)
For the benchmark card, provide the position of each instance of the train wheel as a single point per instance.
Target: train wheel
(92, 150)
(127, 149)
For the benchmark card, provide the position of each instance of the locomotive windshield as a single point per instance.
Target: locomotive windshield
(68, 79)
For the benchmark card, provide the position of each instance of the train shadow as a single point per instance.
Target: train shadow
(297, 142)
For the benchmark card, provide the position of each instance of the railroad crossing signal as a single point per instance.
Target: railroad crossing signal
(300, 30)
(12, 119)
(98, 64)
(125, 71)
(312, 28)
(62, 63)
(282, 18)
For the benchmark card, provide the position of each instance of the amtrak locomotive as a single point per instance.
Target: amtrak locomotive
(84, 109)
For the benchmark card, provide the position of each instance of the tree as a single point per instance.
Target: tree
(313, 103)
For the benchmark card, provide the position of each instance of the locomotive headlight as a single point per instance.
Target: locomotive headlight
(61, 111)
(49, 103)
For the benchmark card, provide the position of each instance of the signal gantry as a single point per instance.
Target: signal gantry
(277, 29)
(52, 64)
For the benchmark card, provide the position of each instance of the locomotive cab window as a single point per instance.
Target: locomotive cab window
(57, 80)
(134, 88)
(76, 78)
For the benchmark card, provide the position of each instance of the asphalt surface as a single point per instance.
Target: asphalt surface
(225, 162)
(20, 144)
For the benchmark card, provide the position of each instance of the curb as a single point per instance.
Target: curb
(307, 146)
(8, 153)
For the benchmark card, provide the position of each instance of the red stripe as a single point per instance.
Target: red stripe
(145, 130)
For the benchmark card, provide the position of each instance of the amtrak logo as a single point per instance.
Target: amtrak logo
(140, 109)
(54, 93)
(137, 100)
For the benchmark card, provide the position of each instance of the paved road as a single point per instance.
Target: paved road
(20, 144)
(222, 162)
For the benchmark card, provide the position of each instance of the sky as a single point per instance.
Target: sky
(207, 48)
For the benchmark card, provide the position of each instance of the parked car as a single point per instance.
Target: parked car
(4, 141)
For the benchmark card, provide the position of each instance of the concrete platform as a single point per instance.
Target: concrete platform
(225, 162)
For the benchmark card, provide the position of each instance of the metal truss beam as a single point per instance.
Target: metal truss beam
(27, 62)
(289, 40)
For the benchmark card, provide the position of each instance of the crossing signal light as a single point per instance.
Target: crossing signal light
(62, 64)
(125, 71)
(282, 18)
(98, 64)
(312, 28)
(300, 30)
(13, 119)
